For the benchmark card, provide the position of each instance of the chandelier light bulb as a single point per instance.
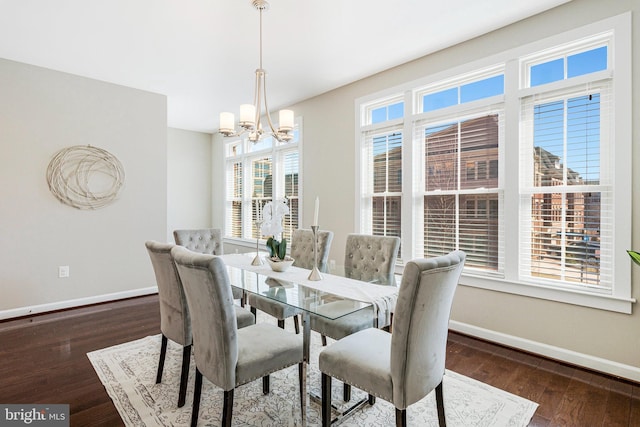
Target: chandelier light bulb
(227, 123)
(247, 115)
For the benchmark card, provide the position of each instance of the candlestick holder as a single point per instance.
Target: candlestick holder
(315, 273)
(257, 260)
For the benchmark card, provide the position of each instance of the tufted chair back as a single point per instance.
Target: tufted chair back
(302, 248)
(420, 326)
(371, 258)
(175, 323)
(208, 292)
(204, 241)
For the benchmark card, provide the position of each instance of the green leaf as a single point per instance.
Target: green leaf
(271, 245)
(635, 256)
(282, 252)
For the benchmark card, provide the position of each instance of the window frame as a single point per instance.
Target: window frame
(616, 32)
(277, 153)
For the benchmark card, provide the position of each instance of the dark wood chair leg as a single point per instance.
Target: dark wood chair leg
(401, 417)
(197, 390)
(326, 400)
(324, 340)
(281, 323)
(184, 375)
(227, 408)
(346, 392)
(296, 324)
(254, 311)
(440, 405)
(372, 400)
(301, 373)
(265, 384)
(163, 354)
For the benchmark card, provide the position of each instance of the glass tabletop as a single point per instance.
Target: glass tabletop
(294, 294)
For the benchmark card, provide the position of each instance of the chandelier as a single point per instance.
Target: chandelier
(250, 114)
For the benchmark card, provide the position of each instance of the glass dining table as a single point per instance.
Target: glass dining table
(293, 287)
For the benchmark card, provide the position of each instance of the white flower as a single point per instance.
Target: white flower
(273, 213)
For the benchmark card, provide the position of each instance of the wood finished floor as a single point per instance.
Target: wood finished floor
(43, 360)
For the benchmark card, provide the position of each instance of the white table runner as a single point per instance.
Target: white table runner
(382, 297)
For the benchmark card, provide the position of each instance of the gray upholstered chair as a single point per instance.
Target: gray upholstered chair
(406, 365)
(302, 253)
(225, 355)
(368, 258)
(205, 241)
(175, 323)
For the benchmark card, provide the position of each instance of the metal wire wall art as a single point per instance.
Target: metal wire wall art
(85, 177)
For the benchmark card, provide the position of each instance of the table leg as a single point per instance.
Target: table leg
(306, 345)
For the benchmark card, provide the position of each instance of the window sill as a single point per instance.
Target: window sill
(567, 296)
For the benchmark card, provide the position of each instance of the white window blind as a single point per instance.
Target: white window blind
(259, 173)
(461, 205)
(291, 191)
(566, 187)
(383, 180)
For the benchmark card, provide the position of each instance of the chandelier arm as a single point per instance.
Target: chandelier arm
(266, 107)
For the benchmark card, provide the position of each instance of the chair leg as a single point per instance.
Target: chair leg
(440, 405)
(254, 311)
(227, 408)
(324, 340)
(184, 375)
(197, 390)
(302, 385)
(281, 323)
(346, 392)
(401, 417)
(326, 400)
(389, 327)
(265, 384)
(163, 353)
(372, 400)
(296, 324)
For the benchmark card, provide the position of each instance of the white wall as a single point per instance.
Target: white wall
(42, 111)
(189, 180)
(594, 338)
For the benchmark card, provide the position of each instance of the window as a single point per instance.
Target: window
(382, 202)
(521, 160)
(256, 174)
(454, 212)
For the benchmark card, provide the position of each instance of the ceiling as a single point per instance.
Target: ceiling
(202, 54)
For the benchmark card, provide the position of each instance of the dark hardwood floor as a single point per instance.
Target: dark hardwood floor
(43, 360)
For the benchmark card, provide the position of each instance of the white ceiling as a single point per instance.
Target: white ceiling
(202, 54)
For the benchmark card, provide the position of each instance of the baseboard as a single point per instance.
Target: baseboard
(609, 367)
(61, 305)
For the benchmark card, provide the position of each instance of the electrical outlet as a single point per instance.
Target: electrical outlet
(63, 271)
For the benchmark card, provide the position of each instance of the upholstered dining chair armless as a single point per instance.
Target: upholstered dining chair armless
(227, 356)
(368, 258)
(406, 365)
(302, 253)
(175, 322)
(205, 241)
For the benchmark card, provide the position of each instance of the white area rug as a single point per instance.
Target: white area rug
(128, 373)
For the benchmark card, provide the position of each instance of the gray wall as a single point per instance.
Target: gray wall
(189, 180)
(599, 339)
(42, 111)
